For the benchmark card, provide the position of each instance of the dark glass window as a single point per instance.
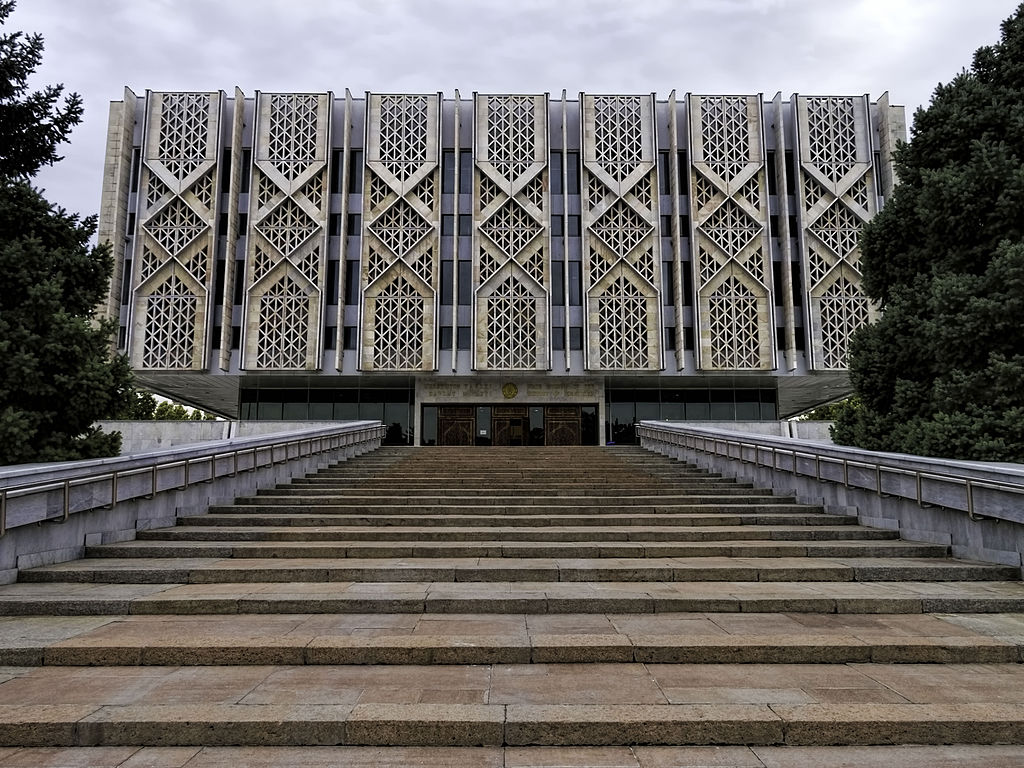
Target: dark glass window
(687, 270)
(464, 337)
(557, 226)
(246, 179)
(670, 338)
(239, 282)
(447, 225)
(334, 225)
(331, 337)
(664, 182)
(225, 171)
(769, 169)
(668, 277)
(352, 282)
(129, 227)
(355, 172)
(336, 169)
(136, 161)
(465, 172)
(575, 338)
(218, 281)
(349, 336)
(222, 225)
(126, 281)
(465, 283)
(332, 282)
(558, 337)
(448, 172)
(555, 172)
(666, 226)
(447, 282)
(790, 174)
(354, 225)
(575, 284)
(574, 226)
(236, 336)
(243, 224)
(572, 167)
(465, 225)
(558, 282)
(446, 337)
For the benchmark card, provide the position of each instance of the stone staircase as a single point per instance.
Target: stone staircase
(513, 607)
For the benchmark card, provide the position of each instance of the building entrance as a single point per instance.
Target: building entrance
(510, 425)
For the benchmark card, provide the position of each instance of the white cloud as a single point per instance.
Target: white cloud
(706, 46)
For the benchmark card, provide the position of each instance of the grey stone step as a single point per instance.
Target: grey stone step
(155, 549)
(593, 533)
(232, 570)
(83, 599)
(761, 515)
(450, 724)
(903, 756)
(133, 648)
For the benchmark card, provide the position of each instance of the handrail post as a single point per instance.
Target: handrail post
(67, 500)
(113, 489)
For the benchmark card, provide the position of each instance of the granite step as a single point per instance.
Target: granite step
(513, 705)
(492, 599)
(210, 570)
(709, 515)
(155, 549)
(502, 597)
(903, 756)
(592, 533)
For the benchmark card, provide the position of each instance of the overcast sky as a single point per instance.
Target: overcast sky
(96, 47)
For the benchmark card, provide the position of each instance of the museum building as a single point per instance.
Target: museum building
(497, 269)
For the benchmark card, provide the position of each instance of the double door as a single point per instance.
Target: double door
(509, 425)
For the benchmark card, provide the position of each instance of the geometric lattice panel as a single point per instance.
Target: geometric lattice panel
(832, 135)
(724, 126)
(623, 322)
(401, 232)
(842, 309)
(729, 209)
(287, 236)
(511, 327)
(733, 322)
(174, 251)
(622, 250)
(398, 327)
(283, 326)
(170, 326)
(511, 280)
(836, 197)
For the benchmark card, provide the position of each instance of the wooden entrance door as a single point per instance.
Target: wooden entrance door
(562, 425)
(509, 425)
(455, 425)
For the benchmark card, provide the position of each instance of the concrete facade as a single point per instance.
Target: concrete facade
(312, 256)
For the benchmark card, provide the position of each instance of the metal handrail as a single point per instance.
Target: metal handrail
(325, 443)
(675, 436)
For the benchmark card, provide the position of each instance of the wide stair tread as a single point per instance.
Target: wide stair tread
(491, 599)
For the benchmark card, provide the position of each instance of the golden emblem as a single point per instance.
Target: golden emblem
(510, 390)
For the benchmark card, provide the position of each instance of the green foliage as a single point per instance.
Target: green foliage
(32, 123)
(831, 411)
(168, 411)
(942, 371)
(57, 376)
(141, 405)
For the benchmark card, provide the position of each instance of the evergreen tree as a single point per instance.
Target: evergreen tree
(942, 371)
(57, 375)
